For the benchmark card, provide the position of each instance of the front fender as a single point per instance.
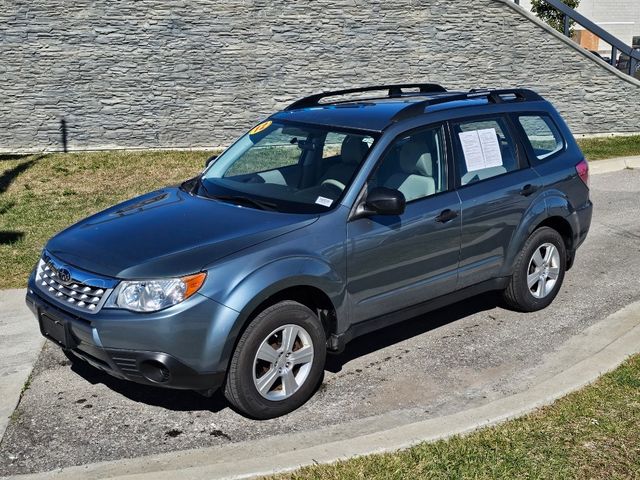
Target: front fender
(245, 296)
(284, 273)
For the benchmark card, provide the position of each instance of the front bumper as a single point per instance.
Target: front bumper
(168, 349)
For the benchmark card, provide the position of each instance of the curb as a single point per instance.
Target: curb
(605, 344)
(18, 355)
(613, 164)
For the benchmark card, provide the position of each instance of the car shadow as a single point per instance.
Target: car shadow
(185, 400)
(170, 399)
(399, 332)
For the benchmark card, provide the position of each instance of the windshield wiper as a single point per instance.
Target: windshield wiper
(261, 204)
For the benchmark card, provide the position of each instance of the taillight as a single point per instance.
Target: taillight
(583, 171)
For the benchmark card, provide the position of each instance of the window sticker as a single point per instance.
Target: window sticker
(259, 128)
(324, 201)
(481, 149)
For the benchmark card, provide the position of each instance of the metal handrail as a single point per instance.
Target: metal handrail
(617, 45)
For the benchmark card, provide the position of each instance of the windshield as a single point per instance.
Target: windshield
(288, 168)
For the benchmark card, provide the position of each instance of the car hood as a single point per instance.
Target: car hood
(167, 233)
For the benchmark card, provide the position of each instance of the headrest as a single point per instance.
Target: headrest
(414, 159)
(353, 149)
(425, 165)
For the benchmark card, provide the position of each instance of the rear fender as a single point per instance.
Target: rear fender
(544, 206)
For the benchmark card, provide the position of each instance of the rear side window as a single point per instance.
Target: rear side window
(484, 150)
(543, 135)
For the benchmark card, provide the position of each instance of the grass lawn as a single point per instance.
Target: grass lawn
(610, 147)
(593, 433)
(42, 194)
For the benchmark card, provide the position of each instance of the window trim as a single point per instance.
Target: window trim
(520, 152)
(528, 147)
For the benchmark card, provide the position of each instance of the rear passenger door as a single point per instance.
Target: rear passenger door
(496, 187)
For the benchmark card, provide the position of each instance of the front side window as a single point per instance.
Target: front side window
(289, 168)
(543, 135)
(415, 165)
(484, 150)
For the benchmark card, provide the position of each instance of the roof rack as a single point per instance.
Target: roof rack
(393, 91)
(493, 96)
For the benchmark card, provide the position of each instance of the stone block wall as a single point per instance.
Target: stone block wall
(197, 73)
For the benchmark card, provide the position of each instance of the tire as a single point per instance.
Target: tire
(260, 360)
(526, 294)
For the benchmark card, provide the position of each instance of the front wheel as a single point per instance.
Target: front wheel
(278, 362)
(538, 272)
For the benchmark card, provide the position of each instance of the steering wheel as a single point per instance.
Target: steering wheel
(333, 183)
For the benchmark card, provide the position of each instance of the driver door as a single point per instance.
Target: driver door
(394, 262)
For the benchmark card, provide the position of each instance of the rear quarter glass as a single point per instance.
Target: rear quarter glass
(541, 136)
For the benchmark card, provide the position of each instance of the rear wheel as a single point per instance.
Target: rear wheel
(538, 272)
(278, 362)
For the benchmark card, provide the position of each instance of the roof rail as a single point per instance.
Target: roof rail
(493, 96)
(394, 90)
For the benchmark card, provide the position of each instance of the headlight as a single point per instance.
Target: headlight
(154, 295)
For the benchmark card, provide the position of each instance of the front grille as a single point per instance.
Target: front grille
(75, 294)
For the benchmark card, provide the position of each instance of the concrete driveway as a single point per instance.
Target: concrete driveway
(451, 360)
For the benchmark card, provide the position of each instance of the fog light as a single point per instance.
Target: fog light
(155, 371)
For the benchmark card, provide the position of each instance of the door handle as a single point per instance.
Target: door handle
(528, 189)
(446, 215)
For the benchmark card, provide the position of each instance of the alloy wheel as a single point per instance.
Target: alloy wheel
(283, 362)
(543, 270)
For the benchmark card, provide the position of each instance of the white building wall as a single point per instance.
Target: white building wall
(619, 17)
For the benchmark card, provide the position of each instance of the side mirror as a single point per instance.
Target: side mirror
(382, 201)
(209, 160)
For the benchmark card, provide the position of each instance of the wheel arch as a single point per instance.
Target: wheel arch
(557, 223)
(563, 227)
(552, 210)
(310, 296)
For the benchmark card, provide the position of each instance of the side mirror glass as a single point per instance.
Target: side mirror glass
(383, 201)
(209, 160)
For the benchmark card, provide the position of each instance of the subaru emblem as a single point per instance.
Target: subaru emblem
(64, 275)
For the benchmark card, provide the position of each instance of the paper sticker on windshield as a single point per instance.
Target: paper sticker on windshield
(324, 201)
(261, 127)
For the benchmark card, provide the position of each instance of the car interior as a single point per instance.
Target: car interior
(414, 166)
(319, 169)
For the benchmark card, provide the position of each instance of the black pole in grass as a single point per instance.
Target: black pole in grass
(63, 130)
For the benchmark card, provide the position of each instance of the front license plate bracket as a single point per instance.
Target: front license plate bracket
(57, 330)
